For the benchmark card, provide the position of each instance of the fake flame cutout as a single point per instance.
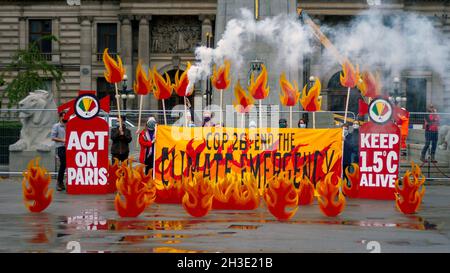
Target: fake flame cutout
(142, 84)
(280, 195)
(306, 192)
(220, 78)
(36, 190)
(172, 193)
(114, 70)
(112, 174)
(197, 200)
(409, 197)
(328, 191)
(230, 194)
(369, 85)
(311, 102)
(136, 188)
(162, 88)
(354, 179)
(259, 89)
(244, 102)
(290, 93)
(182, 82)
(350, 76)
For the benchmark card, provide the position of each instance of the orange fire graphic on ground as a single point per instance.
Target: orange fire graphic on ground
(112, 174)
(136, 188)
(350, 75)
(409, 197)
(311, 101)
(230, 194)
(290, 93)
(328, 190)
(221, 78)
(36, 190)
(354, 178)
(243, 102)
(369, 85)
(142, 84)
(182, 82)
(305, 192)
(162, 88)
(172, 193)
(281, 195)
(114, 70)
(197, 200)
(259, 89)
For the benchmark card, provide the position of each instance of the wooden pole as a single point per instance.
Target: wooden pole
(260, 114)
(164, 111)
(221, 107)
(118, 107)
(139, 118)
(290, 116)
(346, 105)
(314, 119)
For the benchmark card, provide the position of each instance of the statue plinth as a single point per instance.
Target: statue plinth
(18, 160)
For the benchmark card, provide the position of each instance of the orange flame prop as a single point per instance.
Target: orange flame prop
(36, 190)
(409, 197)
(229, 194)
(349, 77)
(259, 89)
(328, 190)
(221, 79)
(279, 195)
(354, 179)
(114, 70)
(306, 192)
(290, 94)
(182, 82)
(142, 84)
(369, 85)
(243, 102)
(112, 174)
(197, 200)
(311, 102)
(136, 188)
(172, 193)
(162, 88)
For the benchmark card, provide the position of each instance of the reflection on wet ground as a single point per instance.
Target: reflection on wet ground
(90, 224)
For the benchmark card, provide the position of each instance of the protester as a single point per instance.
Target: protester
(252, 124)
(58, 135)
(120, 141)
(301, 123)
(207, 120)
(146, 140)
(354, 142)
(282, 123)
(347, 160)
(431, 133)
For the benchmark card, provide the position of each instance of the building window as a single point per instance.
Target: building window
(39, 29)
(103, 89)
(106, 38)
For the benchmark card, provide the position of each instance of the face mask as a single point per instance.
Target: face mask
(207, 119)
(356, 126)
(345, 131)
(302, 125)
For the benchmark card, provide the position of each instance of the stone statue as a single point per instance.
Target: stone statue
(444, 137)
(36, 125)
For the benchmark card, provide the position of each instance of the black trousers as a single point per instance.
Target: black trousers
(61, 152)
(430, 137)
(120, 157)
(148, 163)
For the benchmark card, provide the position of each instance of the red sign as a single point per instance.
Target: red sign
(379, 147)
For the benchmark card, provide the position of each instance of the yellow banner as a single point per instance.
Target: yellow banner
(264, 153)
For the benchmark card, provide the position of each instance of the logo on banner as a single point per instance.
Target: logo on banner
(86, 106)
(380, 111)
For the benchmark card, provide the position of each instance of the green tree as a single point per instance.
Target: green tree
(32, 71)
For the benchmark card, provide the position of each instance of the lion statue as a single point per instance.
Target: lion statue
(444, 137)
(36, 125)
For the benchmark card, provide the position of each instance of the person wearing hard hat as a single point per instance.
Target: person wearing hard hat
(146, 140)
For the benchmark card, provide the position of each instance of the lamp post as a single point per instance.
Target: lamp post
(396, 97)
(126, 94)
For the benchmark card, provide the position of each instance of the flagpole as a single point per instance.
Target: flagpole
(118, 107)
(346, 105)
(314, 119)
(290, 116)
(221, 107)
(140, 115)
(260, 114)
(164, 110)
(242, 120)
(185, 113)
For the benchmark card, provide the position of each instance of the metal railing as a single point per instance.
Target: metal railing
(100, 55)
(417, 119)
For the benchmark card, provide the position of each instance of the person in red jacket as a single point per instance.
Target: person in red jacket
(146, 140)
(431, 133)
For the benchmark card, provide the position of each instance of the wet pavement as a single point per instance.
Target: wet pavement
(89, 223)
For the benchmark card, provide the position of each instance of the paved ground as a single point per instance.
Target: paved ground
(90, 224)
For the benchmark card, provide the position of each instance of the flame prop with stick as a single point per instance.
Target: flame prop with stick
(290, 94)
(349, 79)
(369, 85)
(258, 89)
(312, 101)
(243, 103)
(409, 197)
(180, 87)
(162, 89)
(114, 73)
(36, 190)
(142, 86)
(221, 80)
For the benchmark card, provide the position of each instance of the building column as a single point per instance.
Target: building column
(126, 51)
(207, 32)
(23, 32)
(150, 102)
(85, 52)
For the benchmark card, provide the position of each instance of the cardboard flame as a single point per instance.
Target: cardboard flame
(36, 190)
(289, 93)
(328, 191)
(112, 174)
(143, 83)
(197, 200)
(221, 78)
(229, 194)
(136, 188)
(354, 178)
(182, 83)
(114, 70)
(369, 85)
(305, 192)
(244, 102)
(409, 197)
(350, 76)
(311, 102)
(259, 89)
(172, 193)
(281, 195)
(162, 89)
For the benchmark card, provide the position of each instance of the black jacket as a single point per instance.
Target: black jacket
(120, 142)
